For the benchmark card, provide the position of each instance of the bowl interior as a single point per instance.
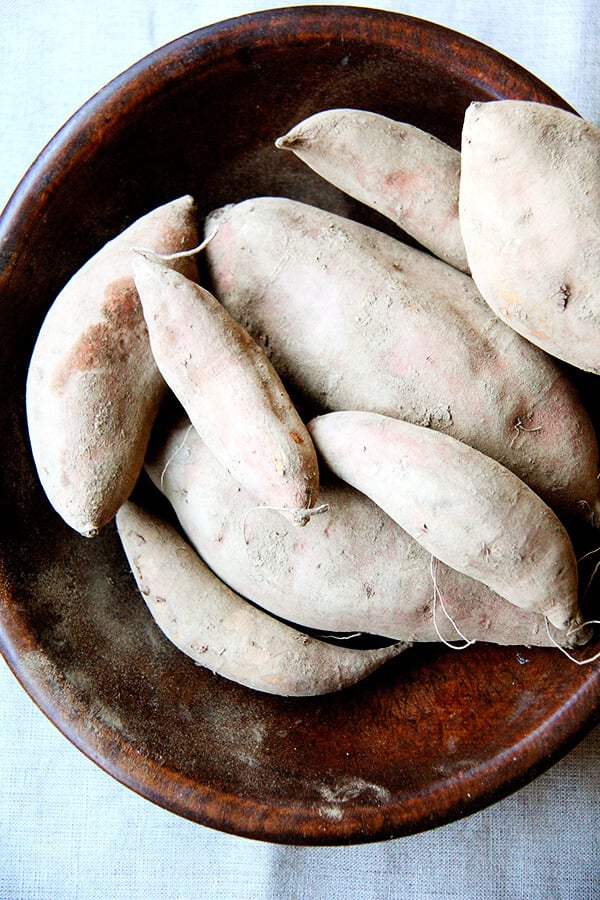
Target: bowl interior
(433, 736)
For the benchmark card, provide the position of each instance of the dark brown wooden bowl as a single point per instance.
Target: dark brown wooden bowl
(432, 737)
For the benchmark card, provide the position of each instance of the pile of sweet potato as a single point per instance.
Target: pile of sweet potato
(357, 435)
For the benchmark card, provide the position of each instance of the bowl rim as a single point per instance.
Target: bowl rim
(194, 801)
(229, 35)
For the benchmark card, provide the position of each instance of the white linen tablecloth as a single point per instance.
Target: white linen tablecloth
(68, 830)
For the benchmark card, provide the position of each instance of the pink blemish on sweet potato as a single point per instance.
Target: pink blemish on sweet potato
(92, 388)
(109, 341)
(405, 173)
(398, 333)
(405, 182)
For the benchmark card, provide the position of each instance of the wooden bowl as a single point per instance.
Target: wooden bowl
(430, 738)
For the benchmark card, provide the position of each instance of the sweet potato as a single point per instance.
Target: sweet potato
(468, 510)
(354, 319)
(353, 570)
(530, 217)
(403, 172)
(228, 387)
(93, 388)
(220, 630)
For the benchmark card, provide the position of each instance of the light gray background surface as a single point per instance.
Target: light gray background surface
(68, 830)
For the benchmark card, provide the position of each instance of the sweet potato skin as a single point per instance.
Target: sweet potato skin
(465, 508)
(400, 170)
(351, 570)
(93, 388)
(353, 319)
(530, 218)
(221, 631)
(229, 388)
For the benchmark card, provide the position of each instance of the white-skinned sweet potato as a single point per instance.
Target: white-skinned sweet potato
(354, 319)
(220, 630)
(93, 388)
(353, 570)
(530, 217)
(228, 387)
(403, 172)
(465, 508)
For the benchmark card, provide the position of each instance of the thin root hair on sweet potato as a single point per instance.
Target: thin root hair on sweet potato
(93, 388)
(224, 633)
(353, 319)
(354, 569)
(229, 388)
(468, 510)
